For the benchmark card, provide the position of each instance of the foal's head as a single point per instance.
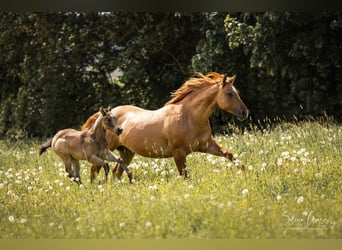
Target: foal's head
(109, 121)
(229, 100)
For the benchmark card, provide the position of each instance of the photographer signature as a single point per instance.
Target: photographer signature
(306, 220)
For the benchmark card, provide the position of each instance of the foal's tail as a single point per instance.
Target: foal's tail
(45, 146)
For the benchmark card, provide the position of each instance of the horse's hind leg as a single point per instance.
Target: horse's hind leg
(127, 156)
(95, 170)
(106, 169)
(76, 166)
(68, 165)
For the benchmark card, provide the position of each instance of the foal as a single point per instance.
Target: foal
(72, 145)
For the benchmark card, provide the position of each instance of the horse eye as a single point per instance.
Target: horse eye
(230, 94)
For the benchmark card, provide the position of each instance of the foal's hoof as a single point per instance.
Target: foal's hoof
(243, 168)
(130, 178)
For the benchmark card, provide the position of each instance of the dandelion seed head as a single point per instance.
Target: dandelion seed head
(186, 196)
(300, 199)
(11, 218)
(245, 191)
(153, 187)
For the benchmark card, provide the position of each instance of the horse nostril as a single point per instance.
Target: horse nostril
(244, 113)
(119, 130)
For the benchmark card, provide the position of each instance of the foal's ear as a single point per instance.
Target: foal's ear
(103, 112)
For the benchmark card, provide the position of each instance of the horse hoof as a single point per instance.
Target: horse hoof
(130, 178)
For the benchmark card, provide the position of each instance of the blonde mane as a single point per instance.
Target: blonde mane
(199, 81)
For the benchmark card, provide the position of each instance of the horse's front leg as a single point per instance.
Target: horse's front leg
(112, 157)
(179, 156)
(215, 149)
(95, 170)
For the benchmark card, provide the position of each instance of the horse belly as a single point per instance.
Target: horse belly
(149, 146)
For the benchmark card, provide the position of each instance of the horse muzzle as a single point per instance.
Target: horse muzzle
(242, 114)
(118, 130)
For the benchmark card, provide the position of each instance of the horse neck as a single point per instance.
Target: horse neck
(98, 130)
(203, 103)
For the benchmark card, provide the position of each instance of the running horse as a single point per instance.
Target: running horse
(178, 128)
(72, 145)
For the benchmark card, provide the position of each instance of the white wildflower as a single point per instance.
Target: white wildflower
(285, 154)
(279, 161)
(153, 187)
(300, 199)
(245, 191)
(186, 196)
(11, 218)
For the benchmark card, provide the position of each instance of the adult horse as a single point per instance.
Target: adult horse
(72, 145)
(180, 127)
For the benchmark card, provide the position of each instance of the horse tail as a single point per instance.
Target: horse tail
(45, 146)
(91, 120)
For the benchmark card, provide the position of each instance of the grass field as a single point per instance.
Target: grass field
(291, 190)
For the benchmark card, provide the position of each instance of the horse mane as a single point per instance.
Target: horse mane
(90, 122)
(199, 81)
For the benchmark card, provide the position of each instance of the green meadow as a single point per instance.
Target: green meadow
(292, 189)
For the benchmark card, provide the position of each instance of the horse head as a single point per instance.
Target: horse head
(228, 99)
(109, 121)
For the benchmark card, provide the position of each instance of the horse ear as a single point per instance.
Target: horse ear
(224, 80)
(232, 79)
(103, 112)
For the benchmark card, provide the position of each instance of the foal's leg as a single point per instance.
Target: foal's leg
(112, 157)
(127, 156)
(76, 165)
(215, 149)
(98, 163)
(95, 170)
(68, 164)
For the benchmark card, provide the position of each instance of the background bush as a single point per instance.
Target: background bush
(56, 69)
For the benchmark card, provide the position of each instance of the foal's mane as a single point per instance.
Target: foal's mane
(90, 122)
(199, 81)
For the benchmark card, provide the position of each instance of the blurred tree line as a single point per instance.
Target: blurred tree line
(56, 69)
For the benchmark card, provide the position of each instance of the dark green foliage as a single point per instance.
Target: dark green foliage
(56, 68)
(296, 57)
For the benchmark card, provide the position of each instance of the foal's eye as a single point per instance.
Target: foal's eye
(229, 94)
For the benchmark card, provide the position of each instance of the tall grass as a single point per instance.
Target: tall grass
(292, 189)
